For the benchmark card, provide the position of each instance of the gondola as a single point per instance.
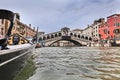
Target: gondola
(12, 57)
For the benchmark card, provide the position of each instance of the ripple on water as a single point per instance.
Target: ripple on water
(77, 63)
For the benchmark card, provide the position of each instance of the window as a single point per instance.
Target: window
(105, 31)
(116, 31)
(2, 21)
(117, 24)
(100, 35)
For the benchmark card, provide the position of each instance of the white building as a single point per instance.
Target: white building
(88, 31)
(95, 27)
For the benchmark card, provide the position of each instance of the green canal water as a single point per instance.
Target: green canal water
(72, 63)
(27, 71)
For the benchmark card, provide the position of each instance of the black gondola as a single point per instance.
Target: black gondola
(12, 56)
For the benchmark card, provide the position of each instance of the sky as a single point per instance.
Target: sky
(52, 15)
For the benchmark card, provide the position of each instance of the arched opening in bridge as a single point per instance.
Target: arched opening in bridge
(90, 39)
(48, 37)
(56, 35)
(82, 37)
(52, 36)
(78, 36)
(44, 38)
(86, 38)
(75, 35)
(40, 39)
(60, 34)
(65, 43)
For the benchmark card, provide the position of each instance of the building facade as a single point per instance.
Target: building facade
(78, 31)
(95, 26)
(110, 30)
(114, 27)
(23, 29)
(88, 31)
(103, 31)
(19, 28)
(4, 24)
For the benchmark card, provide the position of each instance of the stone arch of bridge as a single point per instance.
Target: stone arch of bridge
(71, 40)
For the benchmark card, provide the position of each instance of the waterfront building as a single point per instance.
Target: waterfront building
(3, 27)
(110, 30)
(77, 31)
(95, 26)
(19, 29)
(23, 29)
(41, 33)
(114, 26)
(103, 31)
(88, 31)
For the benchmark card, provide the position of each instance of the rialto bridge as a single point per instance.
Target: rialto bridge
(67, 35)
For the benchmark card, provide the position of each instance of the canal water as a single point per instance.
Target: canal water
(77, 63)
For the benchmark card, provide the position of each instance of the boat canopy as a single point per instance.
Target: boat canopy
(6, 14)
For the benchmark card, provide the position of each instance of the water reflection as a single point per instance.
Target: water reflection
(77, 63)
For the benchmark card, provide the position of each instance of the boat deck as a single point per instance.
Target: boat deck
(13, 48)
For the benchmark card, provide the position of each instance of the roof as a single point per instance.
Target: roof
(113, 15)
(77, 30)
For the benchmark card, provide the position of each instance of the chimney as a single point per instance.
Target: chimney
(37, 29)
(30, 25)
(103, 20)
(34, 28)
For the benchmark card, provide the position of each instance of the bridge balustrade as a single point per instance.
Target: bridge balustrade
(49, 38)
(75, 36)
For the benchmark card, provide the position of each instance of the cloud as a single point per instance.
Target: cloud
(52, 15)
